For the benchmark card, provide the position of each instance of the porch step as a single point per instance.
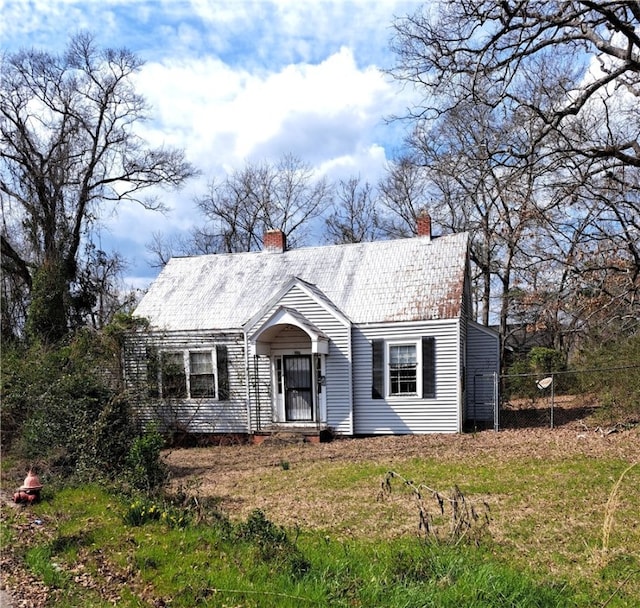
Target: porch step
(291, 436)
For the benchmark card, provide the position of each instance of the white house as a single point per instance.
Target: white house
(366, 338)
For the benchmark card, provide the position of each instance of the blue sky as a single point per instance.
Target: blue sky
(238, 81)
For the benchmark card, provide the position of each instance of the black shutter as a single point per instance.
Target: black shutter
(223, 372)
(428, 368)
(377, 350)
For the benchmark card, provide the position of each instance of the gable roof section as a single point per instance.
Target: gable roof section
(401, 280)
(311, 290)
(283, 315)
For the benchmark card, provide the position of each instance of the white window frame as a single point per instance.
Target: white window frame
(214, 372)
(417, 345)
(186, 361)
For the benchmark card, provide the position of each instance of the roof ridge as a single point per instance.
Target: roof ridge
(399, 240)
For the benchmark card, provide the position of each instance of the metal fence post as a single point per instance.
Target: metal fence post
(553, 383)
(496, 402)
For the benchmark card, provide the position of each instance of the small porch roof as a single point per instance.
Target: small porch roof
(261, 336)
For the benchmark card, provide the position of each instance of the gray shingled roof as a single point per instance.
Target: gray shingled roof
(401, 280)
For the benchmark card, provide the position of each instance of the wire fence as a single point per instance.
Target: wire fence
(574, 398)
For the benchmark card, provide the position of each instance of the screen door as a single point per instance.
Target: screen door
(298, 387)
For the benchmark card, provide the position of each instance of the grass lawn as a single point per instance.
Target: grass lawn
(297, 525)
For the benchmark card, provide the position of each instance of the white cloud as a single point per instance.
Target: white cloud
(232, 81)
(224, 116)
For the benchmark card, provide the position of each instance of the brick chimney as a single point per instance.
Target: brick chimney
(423, 225)
(275, 241)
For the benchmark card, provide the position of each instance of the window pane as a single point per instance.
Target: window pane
(201, 381)
(403, 355)
(403, 369)
(201, 363)
(202, 385)
(173, 359)
(403, 381)
(174, 381)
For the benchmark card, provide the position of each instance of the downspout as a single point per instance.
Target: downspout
(459, 382)
(316, 373)
(247, 378)
(351, 378)
(256, 375)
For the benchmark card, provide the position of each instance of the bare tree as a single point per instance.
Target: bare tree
(527, 129)
(513, 43)
(404, 195)
(257, 198)
(98, 292)
(478, 187)
(568, 74)
(163, 247)
(584, 276)
(355, 216)
(68, 148)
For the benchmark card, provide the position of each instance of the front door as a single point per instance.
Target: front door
(298, 387)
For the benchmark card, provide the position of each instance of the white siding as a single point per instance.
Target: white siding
(483, 360)
(189, 415)
(395, 415)
(260, 389)
(338, 370)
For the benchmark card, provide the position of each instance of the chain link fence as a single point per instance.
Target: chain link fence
(578, 398)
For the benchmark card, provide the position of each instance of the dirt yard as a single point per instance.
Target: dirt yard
(300, 484)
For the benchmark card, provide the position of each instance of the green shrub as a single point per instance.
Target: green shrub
(109, 443)
(145, 470)
(539, 362)
(53, 397)
(544, 360)
(519, 381)
(64, 409)
(614, 377)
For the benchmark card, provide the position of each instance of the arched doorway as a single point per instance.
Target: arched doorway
(296, 350)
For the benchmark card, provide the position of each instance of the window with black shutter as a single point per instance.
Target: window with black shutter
(404, 368)
(192, 374)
